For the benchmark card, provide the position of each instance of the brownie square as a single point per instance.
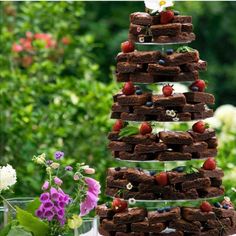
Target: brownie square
(177, 59)
(195, 97)
(141, 18)
(110, 225)
(166, 29)
(144, 226)
(209, 133)
(143, 57)
(174, 100)
(186, 226)
(175, 137)
(104, 212)
(163, 70)
(217, 173)
(195, 214)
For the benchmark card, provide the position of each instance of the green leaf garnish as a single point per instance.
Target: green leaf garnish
(184, 49)
(190, 169)
(128, 131)
(31, 223)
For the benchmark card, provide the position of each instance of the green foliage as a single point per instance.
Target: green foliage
(31, 223)
(19, 231)
(33, 206)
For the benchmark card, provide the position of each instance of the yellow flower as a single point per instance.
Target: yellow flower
(75, 222)
(55, 165)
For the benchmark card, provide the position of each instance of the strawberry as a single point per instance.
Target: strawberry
(145, 128)
(167, 90)
(199, 85)
(128, 88)
(127, 46)
(206, 207)
(209, 164)
(199, 127)
(119, 205)
(162, 178)
(166, 16)
(119, 124)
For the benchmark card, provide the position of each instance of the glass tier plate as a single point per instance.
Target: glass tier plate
(156, 161)
(171, 201)
(162, 44)
(168, 121)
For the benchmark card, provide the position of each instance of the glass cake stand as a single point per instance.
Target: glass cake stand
(163, 44)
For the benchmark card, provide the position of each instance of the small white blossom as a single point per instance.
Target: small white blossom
(158, 5)
(7, 177)
(129, 186)
(233, 189)
(141, 39)
(132, 201)
(170, 113)
(175, 119)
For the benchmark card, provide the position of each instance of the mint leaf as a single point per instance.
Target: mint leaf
(33, 206)
(189, 169)
(184, 49)
(128, 131)
(31, 223)
(17, 230)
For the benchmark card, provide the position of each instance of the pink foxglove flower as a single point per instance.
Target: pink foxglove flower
(91, 199)
(58, 181)
(45, 185)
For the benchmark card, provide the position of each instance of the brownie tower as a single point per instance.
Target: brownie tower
(144, 143)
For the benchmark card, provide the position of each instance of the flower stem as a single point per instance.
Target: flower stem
(76, 233)
(5, 200)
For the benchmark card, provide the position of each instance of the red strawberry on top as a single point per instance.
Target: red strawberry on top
(166, 17)
(167, 90)
(127, 46)
(119, 124)
(198, 86)
(128, 88)
(145, 128)
(209, 164)
(206, 207)
(119, 205)
(162, 178)
(199, 127)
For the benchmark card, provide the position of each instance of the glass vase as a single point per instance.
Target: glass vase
(9, 207)
(88, 228)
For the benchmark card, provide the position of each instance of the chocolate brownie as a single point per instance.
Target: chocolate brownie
(120, 146)
(140, 139)
(195, 147)
(175, 137)
(195, 66)
(203, 115)
(211, 192)
(171, 233)
(197, 183)
(195, 214)
(133, 215)
(195, 97)
(163, 70)
(187, 27)
(143, 57)
(177, 59)
(209, 133)
(223, 213)
(182, 19)
(110, 225)
(166, 29)
(199, 107)
(133, 156)
(123, 57)
(137, 29)
(138, 176)
(132, 117)
(123, 77)
(104, 212)
(142, 77)
(151, 148)
(130, 234)
(116, 183)
(113, 136)
(177, 177)
(144, 226)
(151, 111)
(103, 232)
(210, 152)
(156, 217)
(135, 100)
(186, 226)
(127, 67)
(141, 18)
(174, 100)
(173, 156)
(118, 108)
(212, 142)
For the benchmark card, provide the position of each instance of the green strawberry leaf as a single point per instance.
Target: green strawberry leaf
(19, 231)
(31, 223)
(190, 169)
(184, 49)
(128, 131)
(33, 206)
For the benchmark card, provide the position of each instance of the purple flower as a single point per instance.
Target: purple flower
(58, 181)
(40, 212)
(48, 205)
(58, 155)
(49, 215)
(54, 194)
(69, 168)
(45, 186)
(44, 197)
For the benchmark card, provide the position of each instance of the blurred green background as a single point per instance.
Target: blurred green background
(58, 97)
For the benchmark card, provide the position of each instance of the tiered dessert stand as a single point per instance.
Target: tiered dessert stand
(157, 195)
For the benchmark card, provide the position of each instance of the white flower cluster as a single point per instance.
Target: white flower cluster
(158, 5)
(7, 177)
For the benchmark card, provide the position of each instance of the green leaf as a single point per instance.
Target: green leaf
(184, 49)
(33, 206)
(17, 230)
(190, 169)
(5, 230)
(31, 223)
(128, 131)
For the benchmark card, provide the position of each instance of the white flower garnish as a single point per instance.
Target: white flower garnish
(132, 201)
(227, 199)
(129, 186)
(175, 119)
(170, 113)
(7, 177)
(141, 39)
(158, 5)
(233, 189)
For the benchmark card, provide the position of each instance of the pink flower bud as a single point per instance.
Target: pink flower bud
(45, 185)
(89, 171)
(16, 48)
(58, 181)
